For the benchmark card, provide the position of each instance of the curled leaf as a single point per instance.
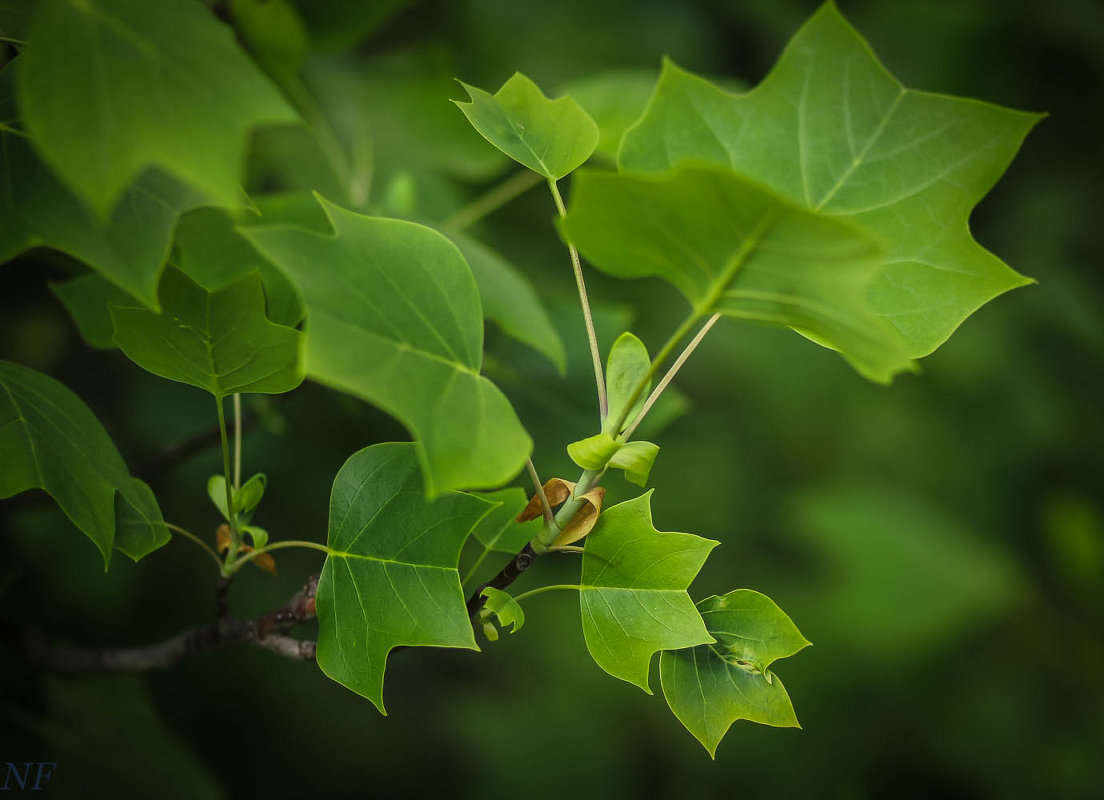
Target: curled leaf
(502, 605)
(584, 519)
(222, 538)
(557, 490)
(636, 458)
(593, 452)
(266, 562)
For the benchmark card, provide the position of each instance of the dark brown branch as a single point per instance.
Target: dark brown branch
(509, 573)
(267, 631)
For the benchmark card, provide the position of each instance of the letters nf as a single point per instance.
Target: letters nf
(26, 776)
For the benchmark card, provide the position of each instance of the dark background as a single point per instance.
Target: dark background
(940, 541)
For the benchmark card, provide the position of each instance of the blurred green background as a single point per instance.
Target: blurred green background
(940, 541)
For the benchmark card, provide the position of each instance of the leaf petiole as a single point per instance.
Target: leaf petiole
(493, 199)
(543, 589)
(247, 557)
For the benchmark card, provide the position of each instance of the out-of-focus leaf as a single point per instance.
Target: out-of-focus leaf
(395, 319)
(550, 137)
(340, 24)
(390, 578)
(711, 686)
(630, 609)
(614, 100)
(49, 440)
(170, 88)
(273, 33)
(88, 298)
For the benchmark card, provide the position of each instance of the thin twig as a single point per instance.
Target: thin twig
(237, 440)
(549, 520)
(210, 550)
(496, 197)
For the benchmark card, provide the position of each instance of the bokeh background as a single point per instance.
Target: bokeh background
(940, 541)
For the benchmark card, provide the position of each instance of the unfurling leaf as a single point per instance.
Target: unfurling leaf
(50, 440)
(711, 686)
(390, 578)
(556, 490)
(263, 561)
(249, 495)
(219, 341)
(216, 490)
(627, 365)
(504, 607)
(593, 452)
(833, 132)
(584, 519)
(550, 137)
(631, 609)
(258, 535)
(223, 537)
(636, 458)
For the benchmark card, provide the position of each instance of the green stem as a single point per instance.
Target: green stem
(188, 534)
(278, 546)
(496, 197)
(237, 440)
(543, 589)
(588, 318)
(549, 520)
(235, 535)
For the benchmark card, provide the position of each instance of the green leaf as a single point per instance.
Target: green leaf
(88, 298)
(249, 495)
(273, 33)
(550, 137)
(711, 686)
(111, 87)
(219, 341)
(614, 100)
(49, 440)
(504, 607)
(498, 535)
(395, 318)
(833, 131)
(730, 246)
(593, 452)
(129, 249)
(391, 577)
(210, 251)
(259, 535)
(633, 597)
(510, 300)
(627, 364)
(216, 490)
(636, 458)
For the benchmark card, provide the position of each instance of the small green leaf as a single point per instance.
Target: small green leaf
(395, 319)
(593, 452)
(502, 605)
(49, 440)
(391, 576)
(249, 495)
(550, 137)
(109, 88)
(711, 686)
(216, 490)
(631, 608)
(636, 458)
(627, 364)
(259, 535)
(219, 341)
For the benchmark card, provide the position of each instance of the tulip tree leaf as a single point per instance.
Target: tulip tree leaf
(50, 440)
(614, 100)
(390, 578)
(219, 341)
(593, 452)
(711, 686)
(111, 87)
(394, 317)
(129, 249)
(510, 301)
(730, 246)
(88, 298)
(633, 590)
(627, 365)
(550, 137)
(831, 130)
(498, 535)
(636, 459)
(504, 608)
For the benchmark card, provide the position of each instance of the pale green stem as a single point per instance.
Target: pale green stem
(186, 533)
(566, 548)
(549, 520)
(588, 318)
(496, 197)
(237, 440)
(246, 557)
(543, 589)
(235, 535)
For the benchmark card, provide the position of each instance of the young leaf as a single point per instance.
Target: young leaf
(258, 535)
(49, 440)
(169, 88)
(831, 130)
(711, 686)
(593, 452)
(582, 521)
(636, 458)
(219, 341)
(504, 607)
(730, 246)
(129, 249)
(391, 577)
(633, 597)
(395, 319)
(249, 495)
(510, 300)
(550, 137)
(627, 364)
(216, 490)
(556, 491)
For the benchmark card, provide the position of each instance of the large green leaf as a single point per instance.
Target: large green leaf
(393, 316)
(614, 100)
(129, 249)
(390, 578)
(633, 597)
(510, 300)
(498, 536)
(49, 440)
(219, 341)
(832, 130)
(550, 137)
(711, 686)
(109, 88)
(731, 246)
(89, 298)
